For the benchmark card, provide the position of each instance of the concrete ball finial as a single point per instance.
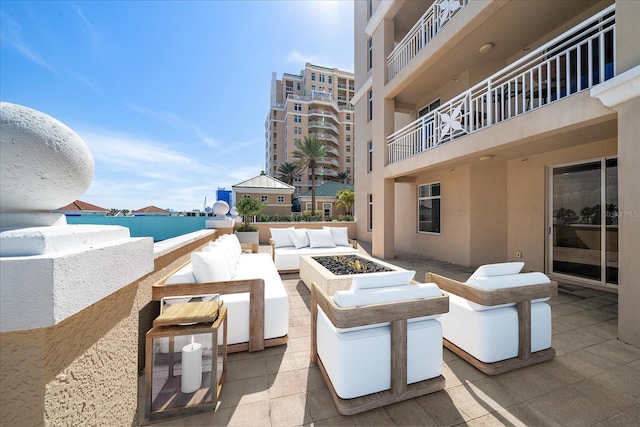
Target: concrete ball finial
(44, 164)
(220, 208)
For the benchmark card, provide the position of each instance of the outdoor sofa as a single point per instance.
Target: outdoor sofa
(289, 244)
(249, 286)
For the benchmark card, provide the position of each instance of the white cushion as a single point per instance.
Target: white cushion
(320, 239)
(226, 253)
(382, 280)
(210, 266)
(184, 275)
(510, 281)
(299, 237)
(362, 297)
(234, 242)
(289, 258)
(499, 269)
(340, 235)
(281, 237)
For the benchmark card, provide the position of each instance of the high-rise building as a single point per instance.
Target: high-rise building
(315, 102)
(503, 130)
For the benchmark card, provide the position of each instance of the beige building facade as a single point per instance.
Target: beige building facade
(275, 194)
(315, 102)
(500, 131)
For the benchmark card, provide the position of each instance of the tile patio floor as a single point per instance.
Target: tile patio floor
(593, 381)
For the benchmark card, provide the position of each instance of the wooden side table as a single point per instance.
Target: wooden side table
(167, 394)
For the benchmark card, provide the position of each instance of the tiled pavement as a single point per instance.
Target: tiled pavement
(593, 381)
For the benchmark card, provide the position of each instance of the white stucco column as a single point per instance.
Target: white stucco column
(623, 94)
(50, 270)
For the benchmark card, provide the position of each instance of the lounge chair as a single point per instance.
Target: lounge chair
(499, 319)
(378, 346)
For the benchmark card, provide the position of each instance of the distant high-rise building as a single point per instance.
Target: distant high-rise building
(314, 103)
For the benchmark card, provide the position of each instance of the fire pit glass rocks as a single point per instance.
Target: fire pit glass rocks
(349, 264)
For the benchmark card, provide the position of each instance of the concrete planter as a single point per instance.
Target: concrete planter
(248, 237)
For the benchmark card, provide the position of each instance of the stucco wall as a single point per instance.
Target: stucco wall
(453, 243)
(83, 370)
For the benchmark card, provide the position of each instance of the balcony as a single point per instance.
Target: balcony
(429, 24)
(322, 124)
(323, 113)
(572, 62)
(326, 136)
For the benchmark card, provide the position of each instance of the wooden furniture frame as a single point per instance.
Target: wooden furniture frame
(522, 297)
(397, 314)
(255, 288)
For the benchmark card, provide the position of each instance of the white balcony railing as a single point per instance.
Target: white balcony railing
(429, 24)
(326, 136)
(322, 124)
(323, 113)
(572, 62)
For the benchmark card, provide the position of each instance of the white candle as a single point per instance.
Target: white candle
(191, 367)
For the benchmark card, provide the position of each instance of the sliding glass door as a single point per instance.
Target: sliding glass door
(583, 221)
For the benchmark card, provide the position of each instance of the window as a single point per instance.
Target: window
(348, 148)
(313, 76)
(370, 213)
(348, 160)
(370, 105)
(348, 126)
(348, 116)
(370, 159)
(264, 198)
(321, 78)
(429, 208)
(370, 8)
(348, 138)
(280, 199)
(348, 170)
(298, 86)
(297, 107)
(297, 118)
(370, 55)
(297, 131)
(313, 87)
(330, 80)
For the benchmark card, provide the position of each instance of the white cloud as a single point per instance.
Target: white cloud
(11, 34)
(300, 59)
(175, 121)
(133, 172)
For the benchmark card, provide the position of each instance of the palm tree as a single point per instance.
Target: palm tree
(345, 198)
(308, 152)
(344, 177)
(288, 171)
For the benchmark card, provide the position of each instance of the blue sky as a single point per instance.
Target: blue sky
(169, 96)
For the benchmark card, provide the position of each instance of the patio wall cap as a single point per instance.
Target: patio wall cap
(618, 89)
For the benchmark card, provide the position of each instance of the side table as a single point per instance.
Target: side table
(186, 376)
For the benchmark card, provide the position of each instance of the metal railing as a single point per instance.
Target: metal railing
(325, 136)
(572, 62)
(327, 125)
(324, 113)
(429, 24)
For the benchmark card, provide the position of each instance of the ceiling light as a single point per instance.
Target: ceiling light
(487, 157)
(485, 48)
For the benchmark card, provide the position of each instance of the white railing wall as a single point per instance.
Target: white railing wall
(429, 24)
(574, 61)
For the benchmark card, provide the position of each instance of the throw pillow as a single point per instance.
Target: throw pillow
(281, 237)
(384, 279)
(226, 253)
(210, 266)
(340, 235)
(320, 239)
(299, 237)
(499, 269)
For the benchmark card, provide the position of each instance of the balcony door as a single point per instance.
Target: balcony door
(582, 235)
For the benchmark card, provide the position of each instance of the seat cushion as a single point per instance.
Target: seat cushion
(359, 362)
(492, 335)
(289, 258)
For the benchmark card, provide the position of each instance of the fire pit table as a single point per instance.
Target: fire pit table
(312, 270)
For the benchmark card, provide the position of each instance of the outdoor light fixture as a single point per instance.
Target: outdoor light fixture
(186, 361)
(485, 48)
